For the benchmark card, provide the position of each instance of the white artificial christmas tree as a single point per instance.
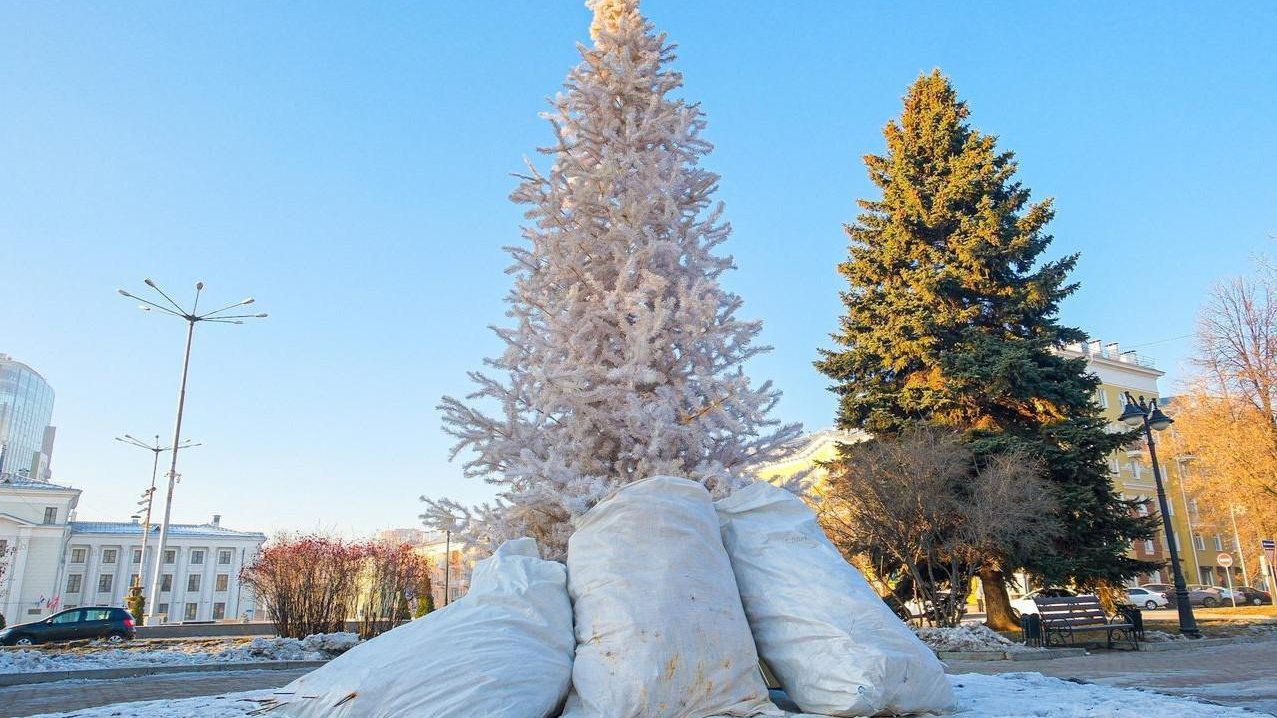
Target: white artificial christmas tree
(625, 358)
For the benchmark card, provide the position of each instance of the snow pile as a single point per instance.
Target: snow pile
(1009, 695)
(1162, 637)
(969, 637)
(316, 647)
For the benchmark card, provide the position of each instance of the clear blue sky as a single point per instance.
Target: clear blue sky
(348, 165)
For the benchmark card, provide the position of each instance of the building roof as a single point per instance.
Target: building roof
(128, 528)
(18, 483)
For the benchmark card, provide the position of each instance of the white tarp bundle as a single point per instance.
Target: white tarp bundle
(833, 644)
(502, 651)
(659, 625)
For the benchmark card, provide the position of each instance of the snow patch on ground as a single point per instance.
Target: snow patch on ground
(1009, 695)
(317, 647)
(1162, 637)
(969, 637)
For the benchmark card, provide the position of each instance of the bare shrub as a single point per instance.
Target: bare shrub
(922, 511)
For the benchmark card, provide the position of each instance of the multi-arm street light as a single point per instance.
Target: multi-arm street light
(1146, 414)
(148, 496)
(191, 317)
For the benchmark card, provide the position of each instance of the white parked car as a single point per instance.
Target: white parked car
(1146, 598)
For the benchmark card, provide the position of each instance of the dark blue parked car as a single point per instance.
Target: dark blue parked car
(108, 622)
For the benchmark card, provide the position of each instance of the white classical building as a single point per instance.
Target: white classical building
(34, 530)
(52, 562)
(199, 580)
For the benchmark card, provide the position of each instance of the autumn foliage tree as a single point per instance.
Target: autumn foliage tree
(1226, 423)
(313, 584)
(393, 575)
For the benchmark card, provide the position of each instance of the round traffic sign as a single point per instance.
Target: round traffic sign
(1224, 560)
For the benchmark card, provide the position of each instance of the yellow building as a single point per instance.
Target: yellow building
(1198, 544)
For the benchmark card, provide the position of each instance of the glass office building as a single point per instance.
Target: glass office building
(26, 410)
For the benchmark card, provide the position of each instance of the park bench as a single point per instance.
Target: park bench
(1062, 617)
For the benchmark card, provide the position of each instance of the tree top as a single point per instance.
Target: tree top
(608, 15)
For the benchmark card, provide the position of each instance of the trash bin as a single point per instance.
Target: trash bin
(1031, 628)
(1135, 617)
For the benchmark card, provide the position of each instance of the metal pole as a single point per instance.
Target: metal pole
(172, 475)
(150, 503)
(1228, 576)
(447, 564)
(1237, 541)
(1187, 623)
(1188, 517)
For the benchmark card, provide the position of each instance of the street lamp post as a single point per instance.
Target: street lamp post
(191, 317)
(1146, 414)
(148, 496)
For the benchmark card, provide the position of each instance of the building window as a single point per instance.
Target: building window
(1115, 467)
(193, 582)
(163, 609)
(50, 514)
(133, 579)
(73, 582)
(166, 584)
(1219, 543)
(1102, 397)
(219, 611)
(78, 554)
(108, 555)
(137, 555)
(222, 582)
(170, 555)
(1143, 508)
(191, 609)
(104, 582)
(224, 557)
(1148, 547)
(1199, 542)
(197, 556)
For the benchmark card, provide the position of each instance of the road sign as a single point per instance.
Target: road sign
(1224, 560)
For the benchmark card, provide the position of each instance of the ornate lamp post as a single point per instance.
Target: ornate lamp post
(1146, 414)
(191, 317)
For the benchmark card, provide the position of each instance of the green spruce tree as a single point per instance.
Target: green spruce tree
(951, 319)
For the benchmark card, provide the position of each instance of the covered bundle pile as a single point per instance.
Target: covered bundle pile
(669, 597)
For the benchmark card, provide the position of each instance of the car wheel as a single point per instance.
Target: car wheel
(1256, 601)
(1209, 602)
(24, 641)
(115, 638)
(1150, 605)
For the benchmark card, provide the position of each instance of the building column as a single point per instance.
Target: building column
(14, 607)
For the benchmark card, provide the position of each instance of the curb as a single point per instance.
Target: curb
(1181, 644)
(1046, 655)
(23, 679)
(1049, 654)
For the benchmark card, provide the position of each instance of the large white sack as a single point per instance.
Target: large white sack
(660, 630)
(833, 644)
(502, 651)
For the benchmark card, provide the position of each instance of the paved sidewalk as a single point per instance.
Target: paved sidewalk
(1239, 674)
(73, 695)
